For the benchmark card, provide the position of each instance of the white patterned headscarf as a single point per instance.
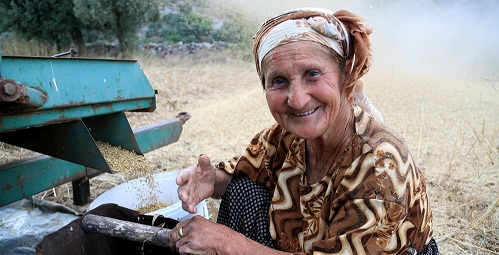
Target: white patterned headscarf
(330, 33)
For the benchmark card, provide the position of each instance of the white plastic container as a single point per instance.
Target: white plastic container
(129, 195)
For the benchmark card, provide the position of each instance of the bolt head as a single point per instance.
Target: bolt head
(9, 89)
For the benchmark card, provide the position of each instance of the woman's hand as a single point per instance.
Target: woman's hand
(198, 236)
(196, 183)
(201, 236)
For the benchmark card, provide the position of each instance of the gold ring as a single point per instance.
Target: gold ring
(180, 232)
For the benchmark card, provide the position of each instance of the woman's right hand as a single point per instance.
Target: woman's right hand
(196, 183)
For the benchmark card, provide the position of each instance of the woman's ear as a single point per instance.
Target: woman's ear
(349, 65)
(347, 72)
(348, 89)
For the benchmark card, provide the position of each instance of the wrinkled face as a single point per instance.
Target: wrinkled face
(303, 88)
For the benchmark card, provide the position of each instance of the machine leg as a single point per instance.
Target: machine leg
(81, 191)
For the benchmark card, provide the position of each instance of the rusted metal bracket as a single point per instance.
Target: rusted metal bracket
(16, 96)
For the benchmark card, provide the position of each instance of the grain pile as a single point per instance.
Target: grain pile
(134, 166)
(126, 162)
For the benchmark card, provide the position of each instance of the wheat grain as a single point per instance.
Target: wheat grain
(134, 166)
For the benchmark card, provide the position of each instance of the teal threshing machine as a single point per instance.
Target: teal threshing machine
(60, 107)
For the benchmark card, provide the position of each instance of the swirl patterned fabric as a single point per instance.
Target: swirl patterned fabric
(374, 202)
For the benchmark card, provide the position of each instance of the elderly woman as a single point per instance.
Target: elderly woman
(327, 178)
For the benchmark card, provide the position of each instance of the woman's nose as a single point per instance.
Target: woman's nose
(297, 96)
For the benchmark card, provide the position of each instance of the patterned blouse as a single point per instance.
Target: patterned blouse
(375, 202)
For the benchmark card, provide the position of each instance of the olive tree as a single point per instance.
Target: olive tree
(48, 21)
(121, 18)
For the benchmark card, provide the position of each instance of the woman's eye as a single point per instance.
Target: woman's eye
(278, 83)
(313, 73)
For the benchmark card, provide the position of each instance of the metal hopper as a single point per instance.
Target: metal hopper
(60, 107)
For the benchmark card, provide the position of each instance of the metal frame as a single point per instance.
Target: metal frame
(60, 107)
(24, 178)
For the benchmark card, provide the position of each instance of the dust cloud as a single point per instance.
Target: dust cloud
(457, 38)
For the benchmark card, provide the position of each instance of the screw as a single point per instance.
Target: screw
(9, 89)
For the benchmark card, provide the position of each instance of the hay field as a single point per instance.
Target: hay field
(450, 124)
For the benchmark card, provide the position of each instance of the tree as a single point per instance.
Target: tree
(122, 17)
(176, 27)
(48, 21)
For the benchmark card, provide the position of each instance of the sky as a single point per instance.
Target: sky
(459, 38)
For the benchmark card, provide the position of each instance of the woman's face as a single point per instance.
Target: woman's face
(303, 88)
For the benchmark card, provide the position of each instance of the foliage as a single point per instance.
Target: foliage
(48, 21)
(122, 18)
(192, 22)
(229, 32)
(116, 25)
(239, 30)
(175, 27)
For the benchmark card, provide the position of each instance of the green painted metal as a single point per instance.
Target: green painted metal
(60, 107)
(1, 65)
(158, 135)
(70, 141)
(75, 88)
(74, 140)
(62, 92)
(39, 118)
(113, 129)
(35, 98)
(25, 178)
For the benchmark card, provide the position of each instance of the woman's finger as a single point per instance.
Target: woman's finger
(204, 163)
(188, 201)
(184, 175)
(191, 205)
(185, 248)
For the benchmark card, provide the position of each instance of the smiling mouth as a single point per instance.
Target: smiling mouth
(305, 113)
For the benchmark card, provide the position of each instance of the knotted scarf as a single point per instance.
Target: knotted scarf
(343, 31)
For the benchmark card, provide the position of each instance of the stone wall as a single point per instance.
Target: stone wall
(163, 50)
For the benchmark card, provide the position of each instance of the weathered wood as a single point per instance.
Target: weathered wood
(126, 230)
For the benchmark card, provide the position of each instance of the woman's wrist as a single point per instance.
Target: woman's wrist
(222, 179)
